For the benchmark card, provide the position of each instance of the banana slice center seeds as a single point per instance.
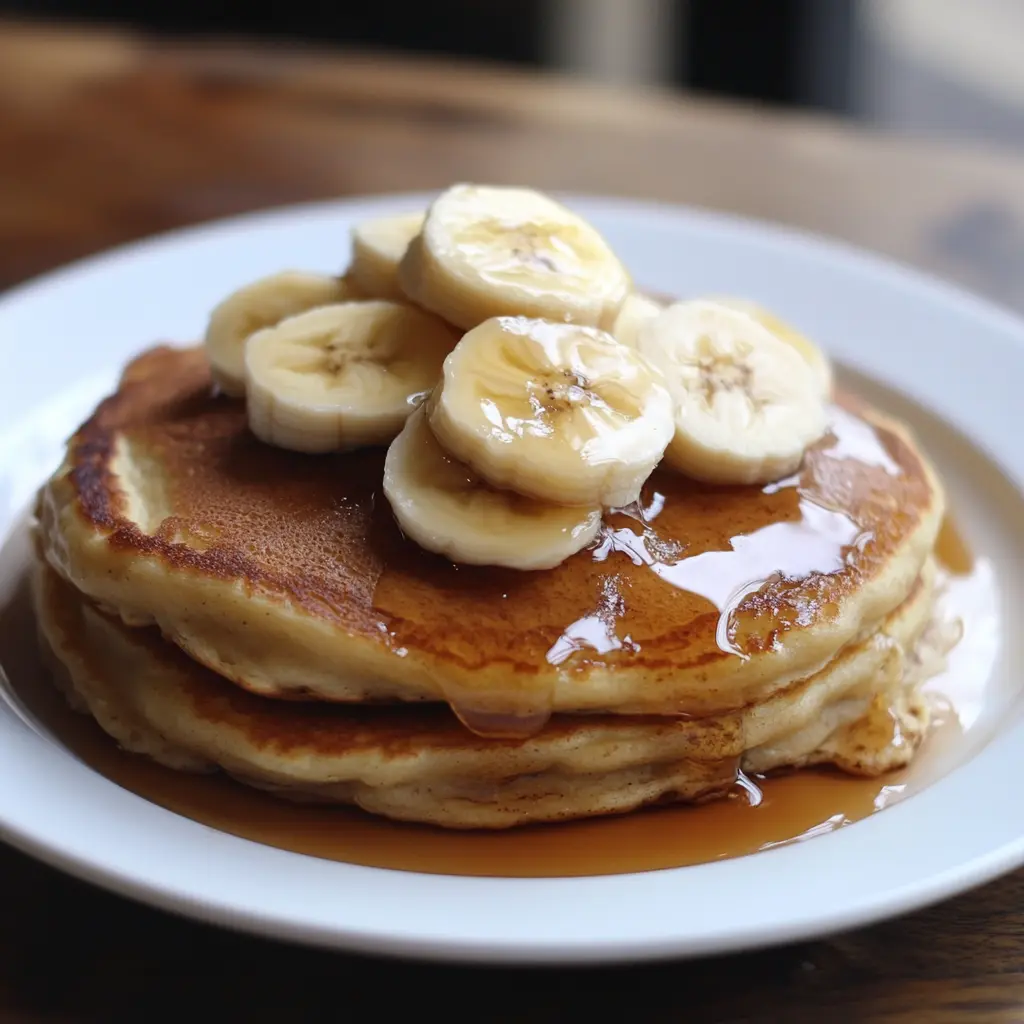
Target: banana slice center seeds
(718, 373)
(532, 247)
(339, 356)
(560, 392)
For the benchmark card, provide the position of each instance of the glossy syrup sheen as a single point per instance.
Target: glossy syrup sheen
(759, 814)
(686, 579)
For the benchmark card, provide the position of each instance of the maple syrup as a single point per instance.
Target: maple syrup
(758, 814)
(745, 568)
(952, 551)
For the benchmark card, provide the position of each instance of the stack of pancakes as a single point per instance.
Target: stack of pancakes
(219, 604)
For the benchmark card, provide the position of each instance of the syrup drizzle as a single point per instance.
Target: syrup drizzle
(819, 540)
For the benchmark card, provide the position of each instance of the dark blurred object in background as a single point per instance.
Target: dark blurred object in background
(505, 30)
(949, 66)
(752, 49)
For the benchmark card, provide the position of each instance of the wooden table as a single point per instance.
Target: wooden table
(105, 138)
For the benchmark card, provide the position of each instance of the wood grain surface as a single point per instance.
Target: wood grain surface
(107, 137)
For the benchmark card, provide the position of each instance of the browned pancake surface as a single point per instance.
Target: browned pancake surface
(693, 577)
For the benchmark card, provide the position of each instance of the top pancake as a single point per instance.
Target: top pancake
(287, 574)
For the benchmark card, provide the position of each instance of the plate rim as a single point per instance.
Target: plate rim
(981, 868)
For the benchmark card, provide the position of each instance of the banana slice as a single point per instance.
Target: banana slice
(486, 252)
(558, 412)
(446, 508)
(377, 248)
(342, 376)
(747, 405)
(637, 310)
(262, 304)
(814, 356)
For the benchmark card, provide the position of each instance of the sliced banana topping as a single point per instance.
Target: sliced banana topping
(486, 252)
(261, 304)
(377, 248)
(816, 359)
(558, 412)
(637, 310)
(342, 376)
(747, 405)
(445, 507)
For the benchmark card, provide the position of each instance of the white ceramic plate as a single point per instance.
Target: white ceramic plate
(949, 363)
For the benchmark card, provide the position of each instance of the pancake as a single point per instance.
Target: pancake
(287, 574)
(417, 762)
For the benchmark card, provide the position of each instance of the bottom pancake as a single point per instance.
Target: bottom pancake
(416, 762)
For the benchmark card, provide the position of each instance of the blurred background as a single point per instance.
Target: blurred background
(954, 67)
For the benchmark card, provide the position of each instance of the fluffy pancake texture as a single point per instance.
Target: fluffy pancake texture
(416, 762)
(287, 575)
